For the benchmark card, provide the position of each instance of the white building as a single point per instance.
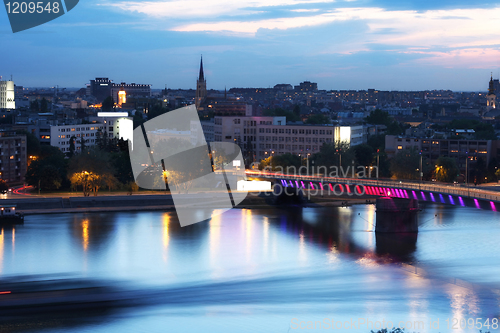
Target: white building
(272, 136)
(7, 95)
(112, 124)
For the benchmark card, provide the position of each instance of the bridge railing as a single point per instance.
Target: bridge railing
(470, 192)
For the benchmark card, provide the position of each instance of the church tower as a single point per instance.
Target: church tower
(201, 87)
(491, 97)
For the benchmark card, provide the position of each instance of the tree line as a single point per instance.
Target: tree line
(105, 165)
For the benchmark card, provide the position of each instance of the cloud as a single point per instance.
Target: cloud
(476, 58)
(202, 8)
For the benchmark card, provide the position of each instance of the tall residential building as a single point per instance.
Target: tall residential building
(201, 87)
(13, 159)
(7, 95)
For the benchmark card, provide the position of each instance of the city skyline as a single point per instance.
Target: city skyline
(350, 45)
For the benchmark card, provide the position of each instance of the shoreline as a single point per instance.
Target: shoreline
(127, 203)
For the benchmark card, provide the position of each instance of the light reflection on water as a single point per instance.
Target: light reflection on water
(255, 270)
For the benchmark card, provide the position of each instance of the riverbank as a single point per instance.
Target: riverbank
(120, 203)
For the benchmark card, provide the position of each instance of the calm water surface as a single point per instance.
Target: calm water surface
(263, 270)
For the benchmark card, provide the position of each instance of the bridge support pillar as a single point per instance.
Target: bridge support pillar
(288, 195)
(396, 215)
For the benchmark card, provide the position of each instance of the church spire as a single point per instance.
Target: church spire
(491, 89)
(202, 76)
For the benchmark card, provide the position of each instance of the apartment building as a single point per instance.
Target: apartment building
(13, 159)
(460, 150)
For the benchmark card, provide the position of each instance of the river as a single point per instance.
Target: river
(270, 270)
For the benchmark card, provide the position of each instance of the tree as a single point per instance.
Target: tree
(364, 154)
(44, 105)
(318, 119)
(377, 142)
(120, 162)
(71, 146)
(482, 131)
(279, 112)
(379, 117)
(3, 186)
(90, 170)
(82, 144)
(394, 128)
(478, 171)
(138, 119)
(49, 170)
(281, 162)
(446, 169)
(248, 153)
(32, 143)
(405, 163)
(156, 110)
(331, 156)
(108, 104)
(34, 106)
(296, 110)
(6, 119)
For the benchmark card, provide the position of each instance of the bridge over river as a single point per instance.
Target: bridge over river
(431, 192)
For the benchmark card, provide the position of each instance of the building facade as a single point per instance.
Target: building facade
(463, 151)
(269, 136)
(7, 95)
(102, 87)
(13, 159)
(110, 124)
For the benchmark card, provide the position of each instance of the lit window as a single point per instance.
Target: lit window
(400, 147)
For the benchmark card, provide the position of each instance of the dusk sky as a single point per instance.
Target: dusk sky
(387, 45)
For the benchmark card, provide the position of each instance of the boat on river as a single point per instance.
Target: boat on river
(9, 215)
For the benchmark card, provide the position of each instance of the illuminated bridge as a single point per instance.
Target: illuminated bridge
(431, 192)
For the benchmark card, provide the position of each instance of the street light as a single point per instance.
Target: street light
(378, 163)
(467, 173)
(421, 169)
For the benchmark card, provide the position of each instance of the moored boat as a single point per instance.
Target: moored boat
(8, 215)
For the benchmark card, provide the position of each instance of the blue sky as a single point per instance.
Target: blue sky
(356, 44)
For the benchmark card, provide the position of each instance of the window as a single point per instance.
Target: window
(400, 147)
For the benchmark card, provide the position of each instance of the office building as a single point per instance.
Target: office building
(109, 124)
(267, 136)
(101, 88)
